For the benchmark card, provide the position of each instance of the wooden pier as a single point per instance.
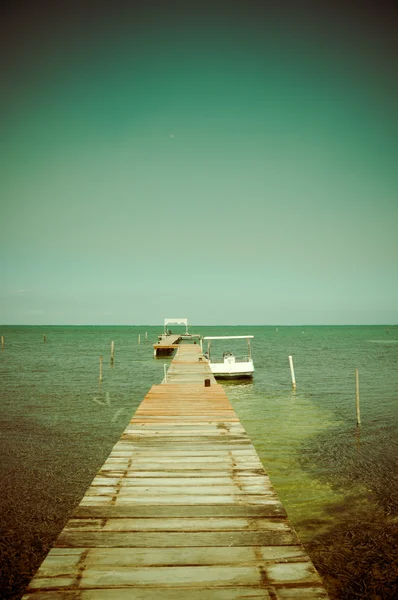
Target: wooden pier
(166, 345)
(181, 509)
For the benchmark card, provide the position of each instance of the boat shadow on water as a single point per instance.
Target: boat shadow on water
(247, 381)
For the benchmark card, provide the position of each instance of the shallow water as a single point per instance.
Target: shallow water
(58, 425)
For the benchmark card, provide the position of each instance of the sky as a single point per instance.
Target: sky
(232, 163)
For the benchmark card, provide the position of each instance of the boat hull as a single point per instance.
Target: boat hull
(232, 371)
(233, 375)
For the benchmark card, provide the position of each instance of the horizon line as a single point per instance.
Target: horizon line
(202, 325)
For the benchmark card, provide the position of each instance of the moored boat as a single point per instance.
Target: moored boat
(229, 365)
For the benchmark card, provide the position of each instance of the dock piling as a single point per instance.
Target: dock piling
(139, 338)
(357, 397)
(100, 375)
(44, 338)
(112, 352)
(2, 342)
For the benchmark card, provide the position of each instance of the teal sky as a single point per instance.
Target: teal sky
(230, 166)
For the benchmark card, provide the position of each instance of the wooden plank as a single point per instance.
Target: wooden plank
(181, 474)
(181, 511)
(196, 447)
(136, 452)
(275, 536)
(186, 576)
(182, 576)
(60, 560)
(228, 459)
(179, 490)
(206, 428)
(173, 524)
(178, 462)
(131, 481)
(175, 465)
(139, 593)
(193, 500)
(195, 593)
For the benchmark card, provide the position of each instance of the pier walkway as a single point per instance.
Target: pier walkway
(181, 509)
(166, 345)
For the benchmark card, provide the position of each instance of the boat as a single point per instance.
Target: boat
(230, 366)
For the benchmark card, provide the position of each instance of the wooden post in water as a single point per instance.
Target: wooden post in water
(357, 396)
(292, 372)
(139, 338)
(44, 338)
(146, 336)
(112, 351)
(100, 377)
(2, 342)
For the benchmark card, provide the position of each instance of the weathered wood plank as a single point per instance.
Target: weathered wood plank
(186, 576)
(183, 576)
(193, 500)
(170, 524)
(181, 474)
(195, 593)
(182, 466)
(276, 536)
(174, 490)
(131, 481)
(60, 560)
(165, 458)
(148, 427)
(139, 593)
(126, 452)
(178, 462)
(223, 510)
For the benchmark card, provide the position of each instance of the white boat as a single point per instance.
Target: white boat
(230, 366)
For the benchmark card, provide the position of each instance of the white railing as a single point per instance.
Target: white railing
(238, 359)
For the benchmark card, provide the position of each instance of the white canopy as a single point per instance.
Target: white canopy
(230, 337)
(176, 322)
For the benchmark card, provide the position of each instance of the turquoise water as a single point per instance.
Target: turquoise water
(58, 425)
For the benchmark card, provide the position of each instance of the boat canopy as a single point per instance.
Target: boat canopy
(229, 337)
(176, 322)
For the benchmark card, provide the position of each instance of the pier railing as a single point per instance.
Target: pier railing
(220, 359)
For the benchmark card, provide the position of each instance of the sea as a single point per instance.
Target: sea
(337, 480)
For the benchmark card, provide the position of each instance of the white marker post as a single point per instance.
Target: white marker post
(292, 372)
(139, 339)
(165, 373)
(357, 396)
